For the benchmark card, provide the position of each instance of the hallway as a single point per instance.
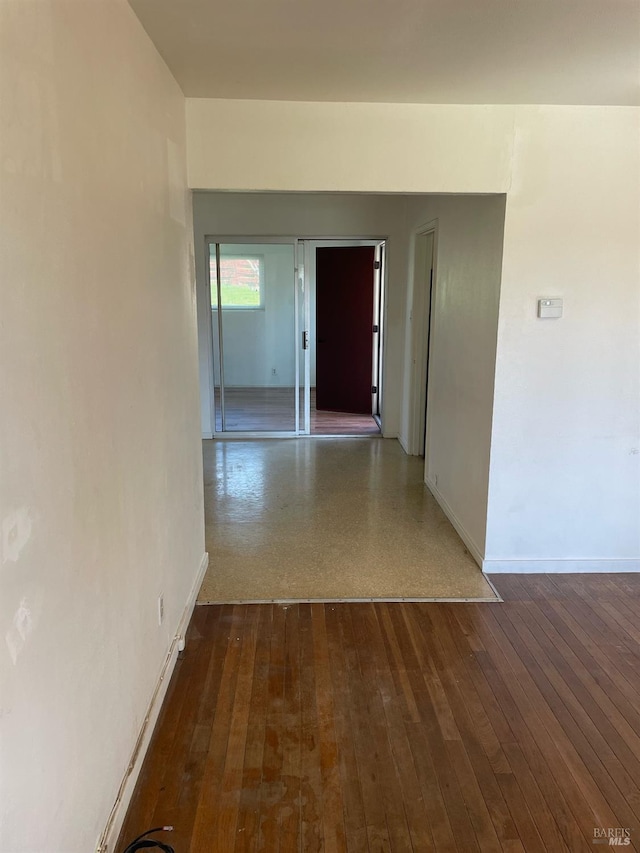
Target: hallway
(328, 519)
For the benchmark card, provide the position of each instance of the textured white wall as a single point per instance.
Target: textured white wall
(100, 459)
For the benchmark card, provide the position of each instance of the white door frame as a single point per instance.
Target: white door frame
(423, 332)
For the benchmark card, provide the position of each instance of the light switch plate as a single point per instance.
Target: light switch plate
(550, 308)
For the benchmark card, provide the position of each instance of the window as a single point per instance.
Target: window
(241, 281)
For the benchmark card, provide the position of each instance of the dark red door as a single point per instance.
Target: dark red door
(344, 318)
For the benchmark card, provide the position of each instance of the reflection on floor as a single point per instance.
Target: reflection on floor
(325, 520)
(273, 409)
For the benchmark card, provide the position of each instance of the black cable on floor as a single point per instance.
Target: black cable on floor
(142, 843)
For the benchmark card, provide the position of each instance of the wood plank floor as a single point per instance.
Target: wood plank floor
(404, 727)
(273, 409)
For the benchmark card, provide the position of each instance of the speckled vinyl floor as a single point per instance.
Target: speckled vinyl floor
(328, 519)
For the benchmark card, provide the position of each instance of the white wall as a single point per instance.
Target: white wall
(308, 215)
(564, 469)
(399, 148)
(101, 476)
(465, 301)
(565, 461)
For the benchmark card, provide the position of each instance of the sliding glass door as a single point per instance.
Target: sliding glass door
(258, 336)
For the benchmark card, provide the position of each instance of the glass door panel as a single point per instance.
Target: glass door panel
(213, 263)
(254, 324)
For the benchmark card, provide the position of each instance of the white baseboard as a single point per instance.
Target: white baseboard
(404, 444)
(559, 566)
(109, 837)
(462, 533)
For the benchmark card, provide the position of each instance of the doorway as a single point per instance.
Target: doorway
(422, 312)
(347, 280)
(344, 323)
(345, 394)
(269, 297)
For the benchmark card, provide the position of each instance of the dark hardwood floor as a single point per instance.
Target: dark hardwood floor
(404, 727)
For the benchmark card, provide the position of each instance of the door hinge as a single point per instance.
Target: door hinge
(376, 265)
(305, 340)
(376, 328)
(374, 389)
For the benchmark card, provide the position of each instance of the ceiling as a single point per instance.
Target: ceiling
(404, 51)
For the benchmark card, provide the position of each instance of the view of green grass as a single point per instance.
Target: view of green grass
(235, 296)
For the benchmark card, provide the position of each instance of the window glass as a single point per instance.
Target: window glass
(241, 281)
